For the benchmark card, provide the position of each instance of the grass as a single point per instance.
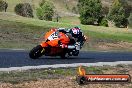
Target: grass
(71, 20)
(22, 32)
(61, 77)
(60, 5)
(12, 4)
(20, 35)
(16, 77)
(65, 23)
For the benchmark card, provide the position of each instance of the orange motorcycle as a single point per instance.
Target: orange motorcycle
(56, 44)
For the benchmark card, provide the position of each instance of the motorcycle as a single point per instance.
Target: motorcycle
(56, 44)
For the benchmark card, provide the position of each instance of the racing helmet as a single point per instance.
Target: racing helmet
(75, 31)
(77, 27)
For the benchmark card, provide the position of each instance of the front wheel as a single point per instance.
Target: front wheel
(36, 52)
(63, 55)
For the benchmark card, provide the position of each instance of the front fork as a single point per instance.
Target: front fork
(43, 44)
(43, 50)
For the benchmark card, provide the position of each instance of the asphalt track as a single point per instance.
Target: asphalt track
(20, 58)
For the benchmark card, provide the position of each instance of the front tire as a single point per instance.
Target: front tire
(63, 55)
(36, 52)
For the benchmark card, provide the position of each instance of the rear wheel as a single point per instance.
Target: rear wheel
(36, 52)
(75, 52)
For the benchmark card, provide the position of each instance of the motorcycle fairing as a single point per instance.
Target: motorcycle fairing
(53, 38)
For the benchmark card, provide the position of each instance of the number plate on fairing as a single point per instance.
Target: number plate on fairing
(53, 36)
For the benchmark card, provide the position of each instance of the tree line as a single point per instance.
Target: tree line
(91, 12)
(45, 11)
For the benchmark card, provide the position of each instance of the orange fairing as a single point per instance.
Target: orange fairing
(48, 34)
(64, 38)
(54, 37)
(81, 71)
(44, 44)
(53, 42)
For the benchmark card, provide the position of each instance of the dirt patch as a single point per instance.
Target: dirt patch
(62, 83)
(107, 46)
(114, 46)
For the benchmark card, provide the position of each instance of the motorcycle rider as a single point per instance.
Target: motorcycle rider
(75, 34)
(78, 36)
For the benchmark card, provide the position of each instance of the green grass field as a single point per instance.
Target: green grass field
(71, 20)
(22, 32)
(121, 34)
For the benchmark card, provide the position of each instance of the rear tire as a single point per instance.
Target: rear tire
(75, 53)
(36, 52)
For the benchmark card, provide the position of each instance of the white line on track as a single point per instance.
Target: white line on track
(17, 49)
(66, 65)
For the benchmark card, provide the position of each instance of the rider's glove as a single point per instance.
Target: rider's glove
(64, 46)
